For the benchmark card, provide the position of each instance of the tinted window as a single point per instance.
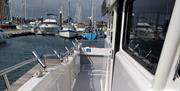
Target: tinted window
(145, 30)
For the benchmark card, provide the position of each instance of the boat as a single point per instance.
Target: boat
(7, 25)
(68, 31)
(89, 36)
(49, 25)
(124, 64)
(91, 32)
(80, 28)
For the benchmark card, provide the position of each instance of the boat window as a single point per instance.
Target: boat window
(146, 24)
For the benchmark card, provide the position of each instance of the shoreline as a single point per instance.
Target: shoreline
(18, 33)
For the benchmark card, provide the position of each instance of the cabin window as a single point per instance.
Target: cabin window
(145, 28)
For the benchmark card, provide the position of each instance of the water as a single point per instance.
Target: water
(19, 49)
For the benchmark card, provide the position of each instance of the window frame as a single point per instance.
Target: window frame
(128, 6)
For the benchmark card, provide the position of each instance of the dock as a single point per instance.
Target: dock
(16, 33)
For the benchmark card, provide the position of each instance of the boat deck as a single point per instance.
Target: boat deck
(28, 75)
(88, 79)
(92, 75)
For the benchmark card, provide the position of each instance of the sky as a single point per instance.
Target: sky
(38, 8)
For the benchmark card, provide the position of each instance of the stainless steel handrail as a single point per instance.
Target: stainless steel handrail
(4, 72)
(39, 60)
(12, 68)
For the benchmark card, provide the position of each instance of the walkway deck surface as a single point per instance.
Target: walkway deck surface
(88, 79)
(23, 79)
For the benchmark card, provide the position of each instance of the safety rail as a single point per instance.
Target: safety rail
(4, 72)
(40, 60)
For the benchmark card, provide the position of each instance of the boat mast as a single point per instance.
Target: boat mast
(24, 8)
(92, 16)
(10, 10)
(78, 12)
(69, 11)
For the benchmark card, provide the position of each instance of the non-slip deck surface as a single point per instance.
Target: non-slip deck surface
(28, 75)
(89, 79)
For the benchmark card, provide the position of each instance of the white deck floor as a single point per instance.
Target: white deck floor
(90, 78)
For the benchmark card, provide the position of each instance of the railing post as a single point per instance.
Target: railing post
(68, 51)
(58, 55)
(73, 44)
(6, 81)
(39, 60)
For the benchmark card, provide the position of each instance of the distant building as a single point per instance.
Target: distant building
(4, 9)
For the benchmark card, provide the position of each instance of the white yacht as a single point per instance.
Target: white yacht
(80, 28)
(68, 31)
(124, 64)
(49, 26)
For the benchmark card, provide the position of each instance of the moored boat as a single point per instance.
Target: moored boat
(49, 25)
(68, 31)
(90, 36)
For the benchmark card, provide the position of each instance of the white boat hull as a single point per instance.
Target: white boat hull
(49, 28)
(67, 34)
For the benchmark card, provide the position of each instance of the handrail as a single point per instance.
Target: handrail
(19, 65)
(39, 60)
(4, 72)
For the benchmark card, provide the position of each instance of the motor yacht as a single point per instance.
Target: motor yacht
(49, 25)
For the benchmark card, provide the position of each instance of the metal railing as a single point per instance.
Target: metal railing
(4, 72)
(68, 52)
